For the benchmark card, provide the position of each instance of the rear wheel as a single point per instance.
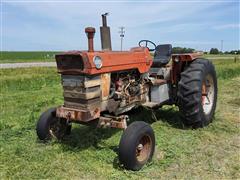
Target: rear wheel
(137, 145)
(197, 93)
(49, 126)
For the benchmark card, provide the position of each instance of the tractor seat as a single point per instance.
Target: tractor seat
(162, 55)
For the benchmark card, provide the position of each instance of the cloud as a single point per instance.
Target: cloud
(131, 14)
(62, 23)
(227, 26)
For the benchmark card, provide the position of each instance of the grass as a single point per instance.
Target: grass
(26, 56)
(88, 153)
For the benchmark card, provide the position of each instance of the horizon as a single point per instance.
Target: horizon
(59, 26)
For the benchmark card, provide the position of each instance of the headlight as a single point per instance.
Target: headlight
(176, 59)
(97, 60)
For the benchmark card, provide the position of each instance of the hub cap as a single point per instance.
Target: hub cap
(57, 128)
(208, 94)
(143, 148)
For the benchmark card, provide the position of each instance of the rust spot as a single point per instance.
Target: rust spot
(204, 93)
(105, 85)
(96, 110)
(77, 114)
(187, 56)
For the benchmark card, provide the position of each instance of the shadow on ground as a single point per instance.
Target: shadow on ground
(169, 115)
(83, 137)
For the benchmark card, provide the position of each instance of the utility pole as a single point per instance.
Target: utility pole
(122, 32)
(222, 46)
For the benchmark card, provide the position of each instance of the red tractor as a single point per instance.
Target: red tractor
(100, 86)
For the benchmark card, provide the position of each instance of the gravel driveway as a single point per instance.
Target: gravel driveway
(25, 65)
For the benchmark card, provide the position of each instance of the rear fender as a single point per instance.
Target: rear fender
(180, 62)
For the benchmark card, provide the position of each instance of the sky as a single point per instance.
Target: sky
(59, 25)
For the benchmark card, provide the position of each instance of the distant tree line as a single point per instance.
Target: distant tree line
(182, 50)
(232, 52)
(216, 51)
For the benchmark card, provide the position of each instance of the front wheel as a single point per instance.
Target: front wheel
(49, 126)
(197, 93)
(137, 145)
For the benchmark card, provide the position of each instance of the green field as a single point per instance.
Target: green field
(28, 56)
(88, 153)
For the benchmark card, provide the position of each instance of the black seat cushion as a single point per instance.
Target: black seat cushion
(162, 55)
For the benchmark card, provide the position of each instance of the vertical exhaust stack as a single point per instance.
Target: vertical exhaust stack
(105, 34)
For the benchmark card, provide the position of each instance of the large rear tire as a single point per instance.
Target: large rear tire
(197, 93)
(137, 145)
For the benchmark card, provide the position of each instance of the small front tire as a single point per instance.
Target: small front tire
(136, 146)
(49, 126)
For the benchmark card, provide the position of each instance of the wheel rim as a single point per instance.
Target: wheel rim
(143, 148)
(208, 94)
(56, 129)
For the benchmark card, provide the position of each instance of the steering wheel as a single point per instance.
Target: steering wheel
(146, 44)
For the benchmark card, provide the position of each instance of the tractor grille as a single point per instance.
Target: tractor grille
(66, 62)
(81, 91)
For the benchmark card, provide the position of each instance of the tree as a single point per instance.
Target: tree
(235, 52)
(226, 52)
(214, 51)
(181, 50)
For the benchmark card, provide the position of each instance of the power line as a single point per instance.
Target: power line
(122, 32)
(221, 45)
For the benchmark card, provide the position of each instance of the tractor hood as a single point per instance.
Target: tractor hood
(97, 62)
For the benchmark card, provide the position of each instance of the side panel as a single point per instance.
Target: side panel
(159, 93)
